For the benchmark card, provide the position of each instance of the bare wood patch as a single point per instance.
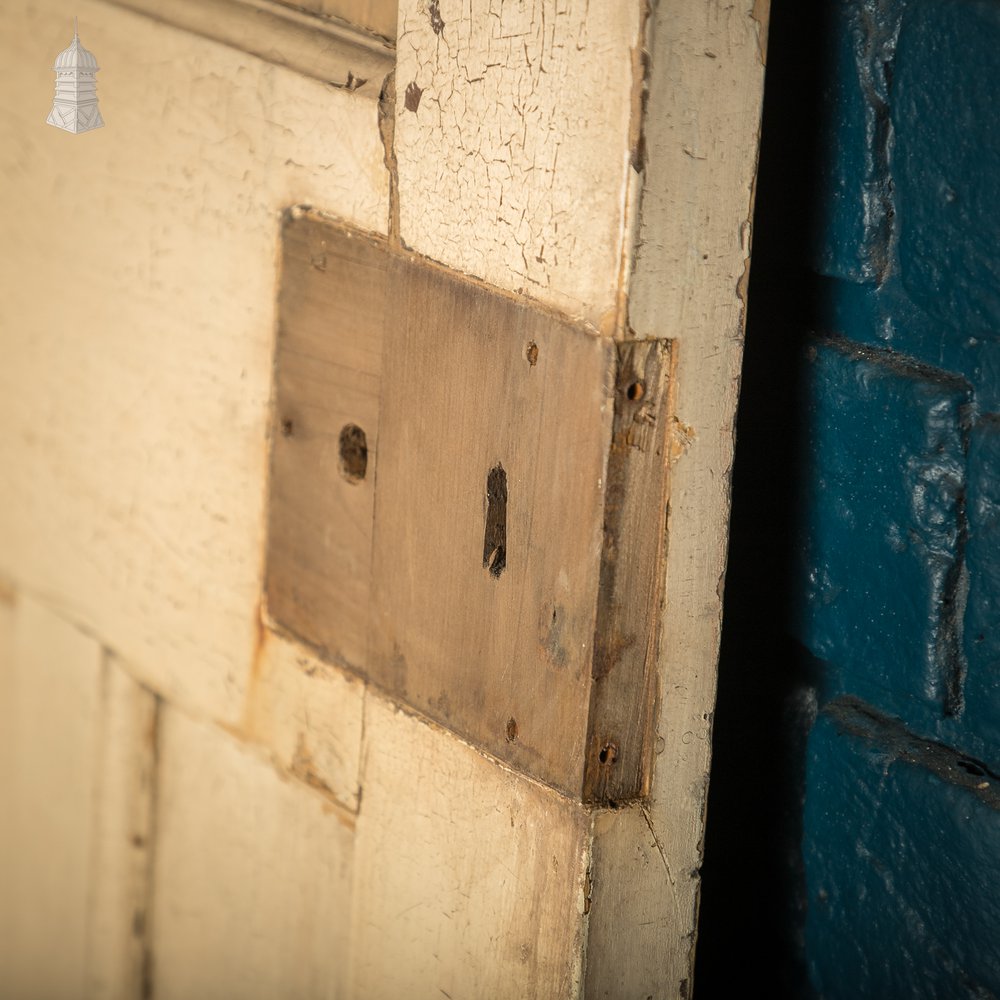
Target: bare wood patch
(468, 506)
(328, 368)
(488, 460)
(620, 737)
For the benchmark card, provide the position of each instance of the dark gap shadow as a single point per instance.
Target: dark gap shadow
(753, 900)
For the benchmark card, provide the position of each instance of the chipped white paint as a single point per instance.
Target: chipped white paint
(469, 878)
(309, 714)
(134, 401)
(252, 878)
(512, 139)
(77, 795)
(690, 283)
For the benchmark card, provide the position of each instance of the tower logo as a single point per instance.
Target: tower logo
(75, 105)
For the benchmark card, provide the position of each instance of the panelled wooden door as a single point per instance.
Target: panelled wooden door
(366, 423)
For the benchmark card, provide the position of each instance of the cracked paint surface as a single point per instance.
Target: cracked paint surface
(514, 164)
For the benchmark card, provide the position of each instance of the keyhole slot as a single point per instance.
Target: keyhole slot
(495, 541)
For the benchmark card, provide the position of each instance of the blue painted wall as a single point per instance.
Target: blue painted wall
(857, 736)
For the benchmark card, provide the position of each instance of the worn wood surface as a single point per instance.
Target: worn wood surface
(501, 656)
(77, 804)
(500, 551)
(470, 880)
(620, 733)
(328, 368)
(689, 282)
(252, 876)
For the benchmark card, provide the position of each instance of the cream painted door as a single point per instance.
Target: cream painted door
(195, 803)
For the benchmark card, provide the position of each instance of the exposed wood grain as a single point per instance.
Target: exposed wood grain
(308, 714)
(488, 427)
(620, 734)
(469, 878)
(285, 36)
(135, 402)
(252, 879)
(701, 133)
(77, 807)
(501, 656)
(512, 136)
(328, 368)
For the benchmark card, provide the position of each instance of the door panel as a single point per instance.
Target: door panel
(140, 309)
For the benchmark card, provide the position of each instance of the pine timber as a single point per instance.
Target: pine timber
(502, 551)
(626, 643)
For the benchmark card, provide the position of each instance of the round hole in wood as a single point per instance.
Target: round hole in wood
(635, 391)
(353, 453)
(608, 754)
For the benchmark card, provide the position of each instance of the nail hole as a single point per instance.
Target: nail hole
(608, 754)
(353, 453)
(495, 541)
(287, 427)
(531, 353)
(511, 730)
(635, 391)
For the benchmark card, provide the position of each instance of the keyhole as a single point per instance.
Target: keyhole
(495, 541)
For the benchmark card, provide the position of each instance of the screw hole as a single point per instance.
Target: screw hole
(353, 453)
(531, 353)
(287, 427)
(608, 754)
(511, 730)
(635, 391)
